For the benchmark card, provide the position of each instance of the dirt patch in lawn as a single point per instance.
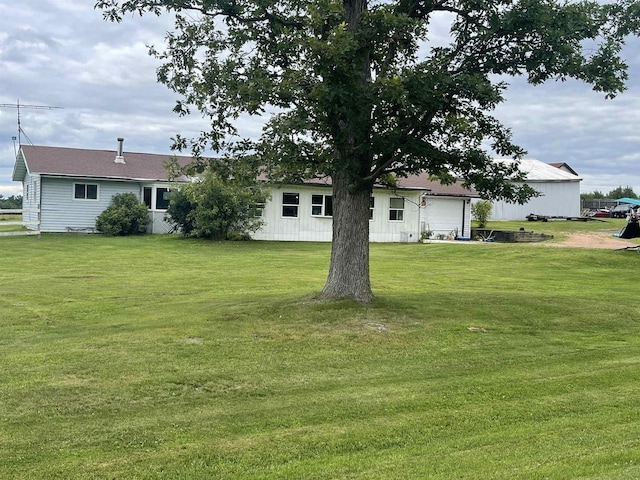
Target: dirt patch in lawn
(602, 239)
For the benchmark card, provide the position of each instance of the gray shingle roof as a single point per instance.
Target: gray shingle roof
(423, 182)
(77, 162)
(80, 162)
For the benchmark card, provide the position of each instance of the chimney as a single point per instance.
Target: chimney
(119, 157)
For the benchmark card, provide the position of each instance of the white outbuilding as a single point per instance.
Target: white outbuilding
(559, 192)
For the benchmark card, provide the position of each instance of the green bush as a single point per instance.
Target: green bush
(481, 212)
(217, 208)
(180, 210)
(125, 215)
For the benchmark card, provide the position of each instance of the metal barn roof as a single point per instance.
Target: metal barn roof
(537, 171)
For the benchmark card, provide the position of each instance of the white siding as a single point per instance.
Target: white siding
(158, 223)
(60, 211)
(306, 227)
(558, 199)
(31, 201)
(381, 229)
(448, 216)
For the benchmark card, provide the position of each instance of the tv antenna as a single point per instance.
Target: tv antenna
(18, 106)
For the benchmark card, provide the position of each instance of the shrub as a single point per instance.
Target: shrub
(125, 215)
(217, 208)
(481, 212)
(180, 210)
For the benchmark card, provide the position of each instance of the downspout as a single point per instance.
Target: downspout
(464, 214)
(39, 190)
(422, 208)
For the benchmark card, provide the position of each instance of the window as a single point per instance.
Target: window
(372, 204)
(258, 210)
(322, 205)
(85, 191)
(290, 202)
(396, 209)
(162, 198)
(146, 196)
(26, 191)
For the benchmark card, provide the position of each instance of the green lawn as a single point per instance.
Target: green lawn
(158, 357)
(10, 219)
(560, 228)
(12, 228)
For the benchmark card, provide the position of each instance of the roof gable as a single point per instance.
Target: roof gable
(537, 171)
(76, 162)
(564, 166)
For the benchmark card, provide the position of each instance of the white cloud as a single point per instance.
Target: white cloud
(122, 66)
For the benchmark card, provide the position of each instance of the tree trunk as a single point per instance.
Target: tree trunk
(349, 269)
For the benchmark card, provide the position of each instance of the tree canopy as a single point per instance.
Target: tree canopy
(362, 91)
(618, 192)
(11, 202)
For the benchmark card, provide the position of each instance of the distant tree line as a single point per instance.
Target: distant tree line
(618, 192)
(14, 201)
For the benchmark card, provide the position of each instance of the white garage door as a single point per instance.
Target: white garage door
(442, 215)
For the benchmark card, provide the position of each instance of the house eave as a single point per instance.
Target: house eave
(451, 195)
(20, 168)
(111, 178)
(552, 180)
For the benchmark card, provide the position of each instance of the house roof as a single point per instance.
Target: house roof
(537, 171)
(87, 163)
(414, 182)
(77, 162)
(563, 166)
(423, 182)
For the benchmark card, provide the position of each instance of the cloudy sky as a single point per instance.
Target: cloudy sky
(61, 53)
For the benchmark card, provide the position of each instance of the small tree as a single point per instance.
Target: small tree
(217, 207)
(125, 215)
(481, 212)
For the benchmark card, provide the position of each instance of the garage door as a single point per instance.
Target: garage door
(444, 215)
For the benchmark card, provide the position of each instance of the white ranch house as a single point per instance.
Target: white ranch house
(303, 212)
(65, 189)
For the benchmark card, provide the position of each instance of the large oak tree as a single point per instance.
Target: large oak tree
(360, 91)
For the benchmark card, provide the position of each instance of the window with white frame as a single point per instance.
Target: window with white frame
(258, 209)
(290, 202)
(85, 191)
(322, 205)
(372, 204)
(396, 209)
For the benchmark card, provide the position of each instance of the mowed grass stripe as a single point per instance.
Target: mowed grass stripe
(158, 357)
